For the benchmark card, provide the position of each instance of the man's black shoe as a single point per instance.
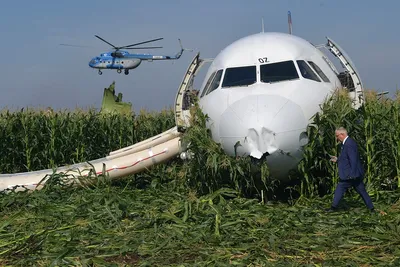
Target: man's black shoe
(331, 209)
(373, 211)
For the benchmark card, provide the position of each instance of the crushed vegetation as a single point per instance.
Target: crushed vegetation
(204, 212)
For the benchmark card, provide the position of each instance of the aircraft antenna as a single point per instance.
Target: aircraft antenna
(290, 21)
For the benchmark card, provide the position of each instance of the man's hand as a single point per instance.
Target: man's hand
(333, 158)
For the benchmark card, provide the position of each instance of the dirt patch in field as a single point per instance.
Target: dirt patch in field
(129, 259)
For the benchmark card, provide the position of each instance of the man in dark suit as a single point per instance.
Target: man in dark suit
(351, 171)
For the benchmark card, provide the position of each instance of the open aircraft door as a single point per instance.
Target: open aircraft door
(182, 99)
(355, 87)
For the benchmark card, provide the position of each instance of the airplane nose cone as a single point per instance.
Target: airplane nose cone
(260, 124)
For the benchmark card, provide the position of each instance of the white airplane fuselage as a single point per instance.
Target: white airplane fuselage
(260, 96)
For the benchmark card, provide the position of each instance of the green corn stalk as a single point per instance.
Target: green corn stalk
(53, 138)
(395, 139)
(25, 123)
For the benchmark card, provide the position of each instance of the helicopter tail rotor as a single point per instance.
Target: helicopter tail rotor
(179, 54)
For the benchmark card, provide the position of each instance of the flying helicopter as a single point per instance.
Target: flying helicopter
(120, 59)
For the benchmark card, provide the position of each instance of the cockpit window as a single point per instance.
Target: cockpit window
(306, 71)
(215, 82)
(240, 76)
(208, 84)
(277, 72)
(319, 71)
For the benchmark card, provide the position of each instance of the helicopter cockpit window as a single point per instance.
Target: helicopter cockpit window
(208, 84)
(319, 71)
(240, 76)
(306, 71)
(215, 82)
(277, 72)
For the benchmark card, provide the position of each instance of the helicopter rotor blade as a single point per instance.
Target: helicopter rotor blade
(107, 42)
(79, 46)
(149, 47)
(145, 42)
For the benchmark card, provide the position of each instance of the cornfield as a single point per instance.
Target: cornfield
(212, 210)
(375, 126)
(35, 139)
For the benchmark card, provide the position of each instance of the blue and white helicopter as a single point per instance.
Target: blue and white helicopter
(123, 60)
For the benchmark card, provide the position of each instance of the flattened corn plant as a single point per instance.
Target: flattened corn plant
(108, 225)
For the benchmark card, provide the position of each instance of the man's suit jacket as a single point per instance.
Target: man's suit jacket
(349, 162)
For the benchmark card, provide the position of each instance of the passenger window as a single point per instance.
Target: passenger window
(277, 72)
(239, 76)
(319, 71)
(208, 84)
(306, 71)
(215, 82)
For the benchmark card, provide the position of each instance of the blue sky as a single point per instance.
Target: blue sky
(38, 72)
